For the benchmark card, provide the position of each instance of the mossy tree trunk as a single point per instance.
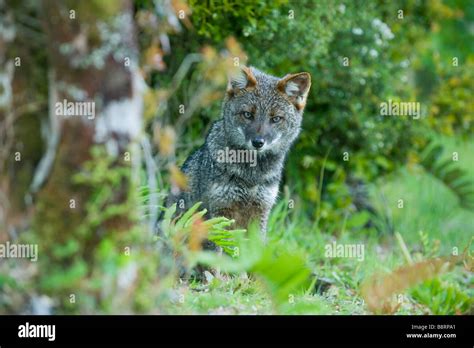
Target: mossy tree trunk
(23, 106)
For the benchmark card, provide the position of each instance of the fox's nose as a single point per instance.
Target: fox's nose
(258, 142)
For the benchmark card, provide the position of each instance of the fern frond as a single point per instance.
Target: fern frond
(445, 170)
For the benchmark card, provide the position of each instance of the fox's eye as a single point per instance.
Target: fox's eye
(276, 119)
(247, 115)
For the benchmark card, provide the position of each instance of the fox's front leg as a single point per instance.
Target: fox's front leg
(263, 225)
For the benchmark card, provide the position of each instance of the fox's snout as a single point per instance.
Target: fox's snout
(258, 142)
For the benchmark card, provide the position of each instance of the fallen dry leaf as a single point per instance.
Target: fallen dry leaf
(378, 289)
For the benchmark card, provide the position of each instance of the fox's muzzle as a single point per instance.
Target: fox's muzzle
(258, 142)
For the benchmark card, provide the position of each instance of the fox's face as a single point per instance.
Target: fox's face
(263, 112)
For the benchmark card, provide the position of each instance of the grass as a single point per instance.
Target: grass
(428, 207)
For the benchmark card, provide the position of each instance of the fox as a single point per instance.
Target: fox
(261, 117)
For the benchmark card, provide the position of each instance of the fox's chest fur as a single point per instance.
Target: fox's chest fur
(241, 203)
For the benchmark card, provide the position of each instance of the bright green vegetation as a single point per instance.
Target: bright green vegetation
(401, 188)
(431, 223)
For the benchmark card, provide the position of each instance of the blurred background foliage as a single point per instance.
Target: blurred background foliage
(350, 165)
(402, 56)
(342, 181)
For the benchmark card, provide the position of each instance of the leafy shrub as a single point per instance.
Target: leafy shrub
(326, 32)
(344, 134)
(452, 105)
(105, 265)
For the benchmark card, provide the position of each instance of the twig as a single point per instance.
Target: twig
(404, 248)
(179, 76)
(46, 163)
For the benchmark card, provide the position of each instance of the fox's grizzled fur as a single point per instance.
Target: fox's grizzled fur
(260, 113)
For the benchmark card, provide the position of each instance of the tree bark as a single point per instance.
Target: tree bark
(22, 105)
(93, 60)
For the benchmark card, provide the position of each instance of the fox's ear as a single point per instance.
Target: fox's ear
(296, 87)
(244, 79)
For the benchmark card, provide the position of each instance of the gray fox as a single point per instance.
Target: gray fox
(237, 172)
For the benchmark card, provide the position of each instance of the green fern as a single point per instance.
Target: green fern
(282, 272)
(219, 228)
(446, 171)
